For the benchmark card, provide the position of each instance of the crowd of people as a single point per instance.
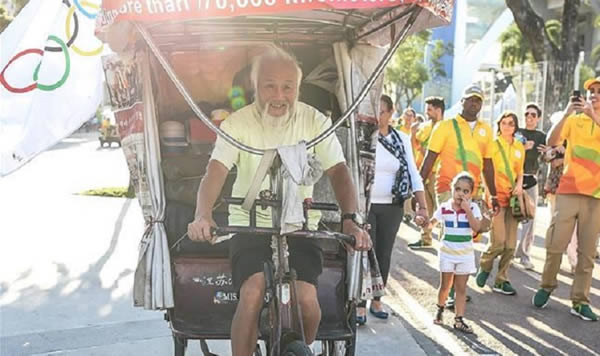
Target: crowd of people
(455, 154)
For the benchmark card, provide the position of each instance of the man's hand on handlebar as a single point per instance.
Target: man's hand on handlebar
(363, 239)
(200, 229)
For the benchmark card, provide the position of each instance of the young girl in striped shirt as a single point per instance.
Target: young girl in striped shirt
(461, 220)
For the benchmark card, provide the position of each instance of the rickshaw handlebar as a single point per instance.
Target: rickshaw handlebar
(268, 232)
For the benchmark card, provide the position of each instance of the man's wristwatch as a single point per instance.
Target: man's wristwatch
(352, 216)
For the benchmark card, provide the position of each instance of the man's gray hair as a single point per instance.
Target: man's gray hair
(272, 53)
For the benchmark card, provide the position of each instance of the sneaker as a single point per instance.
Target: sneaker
(540, 298)
(504, 288)
(481, 278)
(584, 312)
(527, 264)
(419, 244)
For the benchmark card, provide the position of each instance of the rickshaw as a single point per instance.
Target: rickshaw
(109, 135)
(195, 54)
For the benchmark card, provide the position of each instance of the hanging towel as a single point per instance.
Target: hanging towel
(298, 168)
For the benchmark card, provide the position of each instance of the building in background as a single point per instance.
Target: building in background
(473, 35)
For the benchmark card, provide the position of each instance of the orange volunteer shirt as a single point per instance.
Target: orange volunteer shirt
(582, 158)
(515, 154)
(422, 137)
(477, 143)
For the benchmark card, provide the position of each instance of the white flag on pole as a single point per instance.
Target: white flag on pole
(50, 79)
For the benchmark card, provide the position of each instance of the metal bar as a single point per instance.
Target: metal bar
(183, 91)
(269, 231)
(277, 203)
(299, 19)
(268, 20)
(378, 70)
(350, 13)
(355, 276)
(324, 42)
(387, 23)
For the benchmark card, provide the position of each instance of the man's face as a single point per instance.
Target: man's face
(531, 118)
(432, 112)
(594, 96)
(472, 105)
(277, 87)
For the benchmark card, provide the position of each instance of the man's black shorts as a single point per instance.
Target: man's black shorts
(248, 254)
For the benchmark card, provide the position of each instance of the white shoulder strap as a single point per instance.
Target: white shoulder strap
(261, 172)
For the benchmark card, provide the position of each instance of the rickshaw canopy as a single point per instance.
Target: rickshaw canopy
(180, 24)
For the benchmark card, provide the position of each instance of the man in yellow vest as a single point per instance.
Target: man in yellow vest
(434, 109)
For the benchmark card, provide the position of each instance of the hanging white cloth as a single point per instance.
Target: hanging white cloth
(153, 287)
(299, 168)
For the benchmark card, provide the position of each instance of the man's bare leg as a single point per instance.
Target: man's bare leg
(311, 310)
(244, 327)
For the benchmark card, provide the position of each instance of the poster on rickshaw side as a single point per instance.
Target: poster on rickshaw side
(125, 92)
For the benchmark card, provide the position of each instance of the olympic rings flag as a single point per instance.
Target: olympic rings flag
(50, 77)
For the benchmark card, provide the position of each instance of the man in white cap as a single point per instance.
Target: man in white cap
(577, 200)
(462, 144)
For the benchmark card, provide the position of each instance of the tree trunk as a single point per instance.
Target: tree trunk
(398, 99)
(532, 27)
(561, 60)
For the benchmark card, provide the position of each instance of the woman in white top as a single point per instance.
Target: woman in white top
(396, 177)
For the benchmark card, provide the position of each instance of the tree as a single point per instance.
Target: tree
(514, 48)
(596, 50)
(560, 53)
(6, 16)
(407, 72)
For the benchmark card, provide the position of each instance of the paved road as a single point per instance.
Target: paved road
(67, 263)
(503, 324)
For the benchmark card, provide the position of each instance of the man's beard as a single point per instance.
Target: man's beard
(277, 121)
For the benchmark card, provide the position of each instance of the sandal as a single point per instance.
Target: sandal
(379, 314)
(361, 319)
(439, 319)
(460, 325)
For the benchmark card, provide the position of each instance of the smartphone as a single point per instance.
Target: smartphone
(577, 94)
